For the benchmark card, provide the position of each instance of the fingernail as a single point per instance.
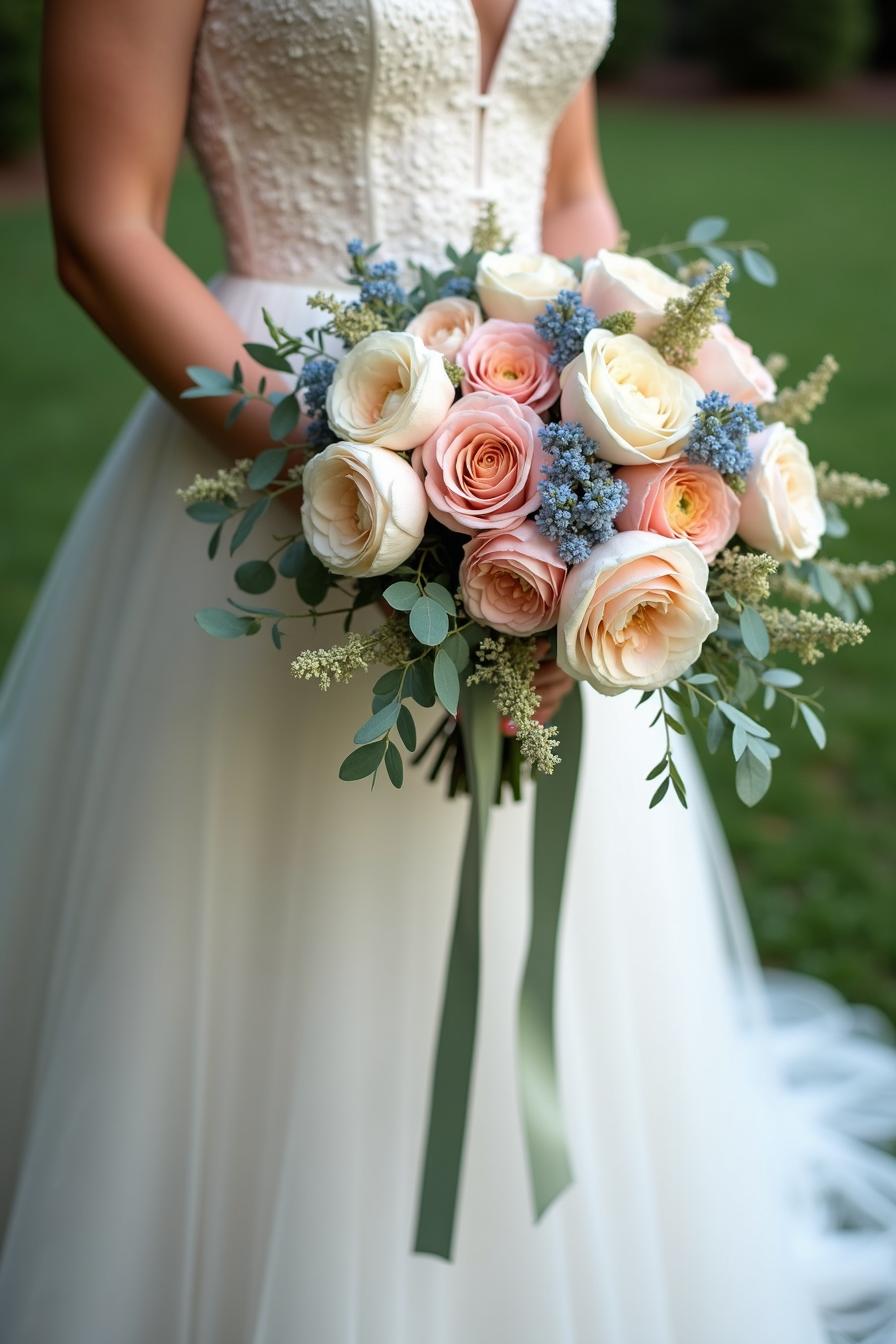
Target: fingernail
(508, 727)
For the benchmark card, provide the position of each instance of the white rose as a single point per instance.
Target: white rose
(517, 286)
(635, 613)
(363, 509)
(780, 511)
(390, 391)
(613, 282)
(445, 324)
(635, 406)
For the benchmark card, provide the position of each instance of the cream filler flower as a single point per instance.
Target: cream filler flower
(389, 391)
(636, 407)
(364, 509)
(635, 614)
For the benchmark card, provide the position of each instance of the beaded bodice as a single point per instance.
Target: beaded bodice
(319, 120)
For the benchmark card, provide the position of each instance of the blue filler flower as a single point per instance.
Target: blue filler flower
(580, 496)
(719, 436)
(564, 324)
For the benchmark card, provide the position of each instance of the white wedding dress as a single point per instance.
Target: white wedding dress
(221, 969)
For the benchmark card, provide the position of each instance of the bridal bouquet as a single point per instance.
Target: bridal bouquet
(520, 446)
(517, 447)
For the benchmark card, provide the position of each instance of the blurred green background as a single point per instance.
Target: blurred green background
(818, 857)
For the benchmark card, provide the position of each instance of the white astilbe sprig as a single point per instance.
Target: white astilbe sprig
(509, 666)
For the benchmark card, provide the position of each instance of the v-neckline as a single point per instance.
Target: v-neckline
(500, 51)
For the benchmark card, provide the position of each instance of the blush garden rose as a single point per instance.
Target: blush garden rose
(635, 614)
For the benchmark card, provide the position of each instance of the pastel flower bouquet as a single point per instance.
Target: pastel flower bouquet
(519, 447)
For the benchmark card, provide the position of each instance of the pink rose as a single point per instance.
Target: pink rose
(725, 363)
(445, 324)
(509, 357)
(482, 466)
(512, 580)
(676, 499)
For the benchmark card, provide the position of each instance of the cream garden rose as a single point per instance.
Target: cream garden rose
(390, 391)
(635, 406)
(445, 324)
(364, 509)
(780, 511)
(612, 282)
(635, 614)
(517, 286)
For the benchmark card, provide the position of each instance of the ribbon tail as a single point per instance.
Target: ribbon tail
(550, 1171)
(452, 1074)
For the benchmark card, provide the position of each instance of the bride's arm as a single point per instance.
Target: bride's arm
(116, 82)
(579, 215)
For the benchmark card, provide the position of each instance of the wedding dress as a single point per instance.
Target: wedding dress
(221, 969)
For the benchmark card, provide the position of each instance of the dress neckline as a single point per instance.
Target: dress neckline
(502, 48)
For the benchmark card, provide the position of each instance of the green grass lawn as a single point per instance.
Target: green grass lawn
(818, 857)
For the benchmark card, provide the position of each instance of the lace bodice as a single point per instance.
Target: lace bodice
(319, 120)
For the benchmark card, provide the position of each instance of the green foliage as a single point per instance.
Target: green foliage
(19, 75)
(788, 44)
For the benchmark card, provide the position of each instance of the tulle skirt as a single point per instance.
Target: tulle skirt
(220, 981)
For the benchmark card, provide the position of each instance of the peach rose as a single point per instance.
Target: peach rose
(678, 499)
(445, 324)
(725, 363)
(635, 614)
(512, 580)
(612, 282)
(510, 357)
(482, 466)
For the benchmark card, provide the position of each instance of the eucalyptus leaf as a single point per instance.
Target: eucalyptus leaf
(401, 596)
(752, 778)
(715, 730)
(394, 765)
(407, 729)
(419, 683)
(707, 229)
(388, 683)
(211, 381)
(284, 417)
(266, 467)
(446, 681)
(814, 724)
(782, 677)
(739, 739)
(290, 562)
(363, 761)
(735, 716)
(759, 268)
(660, 793)
(255, 576)
(747, 682)
(440, 594)
(428, 621)
(277, 636)
(214, 542)
(753, 633)
(221, 623)
(313, 579)
(210, 511)
(267, 357)
(248, 521)
(458, 650)
(378, 723)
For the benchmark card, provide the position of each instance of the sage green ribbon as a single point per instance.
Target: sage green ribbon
(549, 1167)
(457, 1034)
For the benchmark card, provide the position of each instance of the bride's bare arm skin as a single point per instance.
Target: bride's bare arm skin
(116, 83)
(578, 218)
(579, 215)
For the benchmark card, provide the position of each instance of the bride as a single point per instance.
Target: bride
(220, 968)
